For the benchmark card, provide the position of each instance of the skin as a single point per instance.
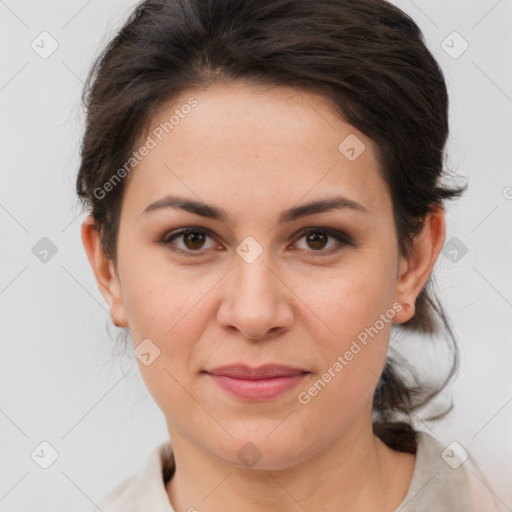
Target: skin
(255, 152)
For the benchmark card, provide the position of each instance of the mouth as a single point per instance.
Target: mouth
(261, 383)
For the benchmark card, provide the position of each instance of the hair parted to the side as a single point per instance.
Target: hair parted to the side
(366, 56)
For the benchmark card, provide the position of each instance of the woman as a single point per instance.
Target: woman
(264, 188)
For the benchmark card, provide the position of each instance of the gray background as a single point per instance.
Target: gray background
(63, 381)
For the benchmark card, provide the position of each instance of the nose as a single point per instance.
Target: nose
(256, 301)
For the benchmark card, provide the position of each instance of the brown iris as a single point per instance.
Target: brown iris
(193, 239)
(316, 238)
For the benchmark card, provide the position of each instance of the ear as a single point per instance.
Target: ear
(104, 271)
(414, 272)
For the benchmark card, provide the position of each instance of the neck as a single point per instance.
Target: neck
(354, 472)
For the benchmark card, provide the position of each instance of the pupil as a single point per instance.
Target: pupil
(193, 237)
(314, 238)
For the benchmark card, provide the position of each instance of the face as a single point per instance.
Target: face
(316, 289)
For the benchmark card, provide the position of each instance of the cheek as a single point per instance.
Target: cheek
(159, 300)
(170, 313)
(167, 307)
(346, 301)
(354, 314)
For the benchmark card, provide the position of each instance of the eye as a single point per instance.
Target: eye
(317, 238)
(193, 241)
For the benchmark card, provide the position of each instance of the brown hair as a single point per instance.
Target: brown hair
(366, 56)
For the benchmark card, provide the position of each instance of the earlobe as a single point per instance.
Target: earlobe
(415, 271)
(104, 271)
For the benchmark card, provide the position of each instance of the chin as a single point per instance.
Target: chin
(261, 451)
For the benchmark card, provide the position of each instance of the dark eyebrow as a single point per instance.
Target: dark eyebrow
(213, 212)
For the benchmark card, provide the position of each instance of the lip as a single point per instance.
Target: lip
(261, 383)
(242, 371)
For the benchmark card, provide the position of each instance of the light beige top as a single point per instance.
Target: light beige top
(443, 480)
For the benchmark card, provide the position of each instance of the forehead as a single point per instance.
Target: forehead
(254, 146)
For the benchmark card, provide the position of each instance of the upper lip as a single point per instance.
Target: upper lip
(242, 371)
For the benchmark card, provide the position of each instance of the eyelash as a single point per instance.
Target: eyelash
(331, 233)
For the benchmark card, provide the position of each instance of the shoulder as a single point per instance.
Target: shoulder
(447, 479)
(121, 497)
(144, 490)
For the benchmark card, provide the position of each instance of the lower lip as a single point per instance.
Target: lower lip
(263, 389)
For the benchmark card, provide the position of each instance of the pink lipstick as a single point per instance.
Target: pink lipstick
(261, 383)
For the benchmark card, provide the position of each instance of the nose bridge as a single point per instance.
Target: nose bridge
(256, 300)
(253, 279)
